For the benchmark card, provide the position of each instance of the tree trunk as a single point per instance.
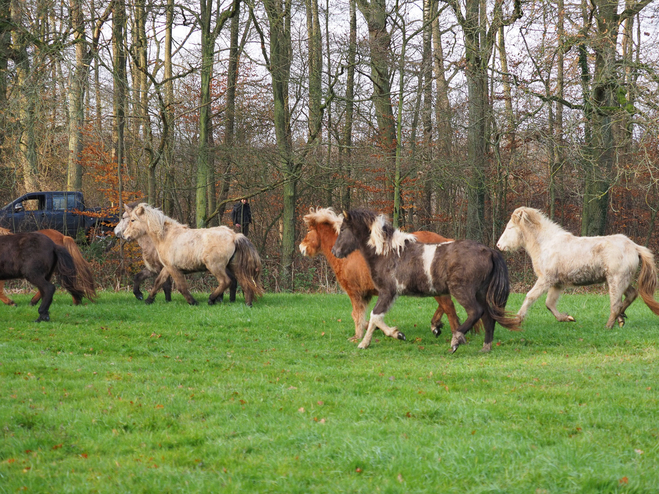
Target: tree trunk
(120, 81)
(168, 192)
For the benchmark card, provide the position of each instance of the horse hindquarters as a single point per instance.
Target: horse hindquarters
(67, 274)
(246, 266)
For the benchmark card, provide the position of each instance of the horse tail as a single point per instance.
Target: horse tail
(83, 269)
(246, 265)
(66, 272)
(497, 294)
(647, 278)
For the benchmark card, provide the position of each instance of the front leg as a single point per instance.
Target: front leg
(385, 300)
(552, 300)
(540, 287)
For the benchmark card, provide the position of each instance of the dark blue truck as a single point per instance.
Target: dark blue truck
(59, 210)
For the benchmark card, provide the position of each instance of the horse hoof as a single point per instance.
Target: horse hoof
(193, 302)
(454, 348)
(138, 295)
(149, 301)
(457, 340)
(44, 317)
(211, 302)
(362, 346)
(436, 331)
(401, 336)
(486, 347)
(571, 319)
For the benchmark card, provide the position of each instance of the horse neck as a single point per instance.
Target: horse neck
(536, 238)
(328, 236)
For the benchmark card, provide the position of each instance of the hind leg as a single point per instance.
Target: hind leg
(630, 295)
(552, 299)
(167, 288)
(488, 324)
(3, 296)
(233, 287)
(137, 281)
(47, 289)
(444, 306)
(615, 297)
(475, 311)
(223, 282)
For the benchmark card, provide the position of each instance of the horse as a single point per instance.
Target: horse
(152, 264)
(35, 257)
(562, 259)
(226, 254)
(474, 274)
(352, 273)
(84, 277)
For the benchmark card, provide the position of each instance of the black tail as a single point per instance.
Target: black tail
(246, 265)
(497, 294)
(66, 272)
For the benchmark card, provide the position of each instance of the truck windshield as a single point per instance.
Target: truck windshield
(62, 202)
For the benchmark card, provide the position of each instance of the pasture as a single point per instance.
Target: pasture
(118, 396)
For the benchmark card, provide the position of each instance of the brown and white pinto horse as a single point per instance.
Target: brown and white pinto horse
(562, 259)
(476, 275)
(84, 277)
(353, 274)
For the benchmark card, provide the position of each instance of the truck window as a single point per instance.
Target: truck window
(35, 204)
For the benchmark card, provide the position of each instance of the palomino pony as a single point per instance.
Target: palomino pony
(352, 272)
(85, 278)
(152, 264)
(473, 273)
(181, 249)
(561, 259)
(35, 257)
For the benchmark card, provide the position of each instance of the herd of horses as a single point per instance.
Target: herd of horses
(369, 258)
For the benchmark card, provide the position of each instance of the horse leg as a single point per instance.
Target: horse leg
(540, 287)
(385, 300)
(224, 282)
(35, 300)
(630, 295)
(552, 299)
(47, 289)
(359, 304)
(137, 281)
(444, 306)
(3, 296)
(167, 288)
(615, 297)
(488, 324)
(233, 287)
(475, 311)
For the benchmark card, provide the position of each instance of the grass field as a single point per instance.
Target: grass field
(118, 397)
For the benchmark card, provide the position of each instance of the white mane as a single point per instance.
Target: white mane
(384, 243)
(537, 224)
(324, 215)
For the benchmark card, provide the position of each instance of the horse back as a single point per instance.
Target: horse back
(196, 249)
(22, 253)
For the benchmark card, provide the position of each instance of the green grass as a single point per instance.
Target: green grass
(121, 397)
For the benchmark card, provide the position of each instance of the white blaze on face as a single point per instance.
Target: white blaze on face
(510, 238)
(303, 249)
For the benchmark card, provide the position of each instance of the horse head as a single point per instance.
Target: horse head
(347, 241)
(324, 226)
(512, 237)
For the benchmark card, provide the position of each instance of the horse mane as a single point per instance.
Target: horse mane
(156, 221)
(323, 215)
(538, 221)
(4, 231)
(385, 238)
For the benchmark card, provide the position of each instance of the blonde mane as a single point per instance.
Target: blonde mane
(536, 223)
(324, 215)
(156, 221)
(385, 239)
(4, 231)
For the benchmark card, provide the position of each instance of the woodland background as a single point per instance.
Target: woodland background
(445, 114)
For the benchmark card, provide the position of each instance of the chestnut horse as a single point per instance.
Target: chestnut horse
(85, 278)
(182, 249)
(34, 257)
(352, 273)
(476, 275)
(561, 259)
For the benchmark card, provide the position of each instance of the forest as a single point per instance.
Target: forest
(444, 114)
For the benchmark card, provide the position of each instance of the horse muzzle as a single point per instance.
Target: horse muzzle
(338, 253)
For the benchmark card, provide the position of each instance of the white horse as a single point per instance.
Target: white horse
(182, 249)
(561, 259)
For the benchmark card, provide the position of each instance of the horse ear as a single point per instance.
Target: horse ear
(346, 216)
(139, 210)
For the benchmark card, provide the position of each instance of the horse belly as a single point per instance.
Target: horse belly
(583, 276)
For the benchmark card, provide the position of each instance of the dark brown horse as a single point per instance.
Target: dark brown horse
(34, 257)
(352, 273)
(474, 274)
(84, 277)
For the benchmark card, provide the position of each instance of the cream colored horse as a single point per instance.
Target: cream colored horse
(560, 259)
(187, 250)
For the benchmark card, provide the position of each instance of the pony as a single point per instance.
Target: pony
(84, 277)
(562, 259)
(474, 274)
(35, 257)
(226, 254)
(352, 273)
(152, 264)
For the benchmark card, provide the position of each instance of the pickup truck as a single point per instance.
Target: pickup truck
(62, 211)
